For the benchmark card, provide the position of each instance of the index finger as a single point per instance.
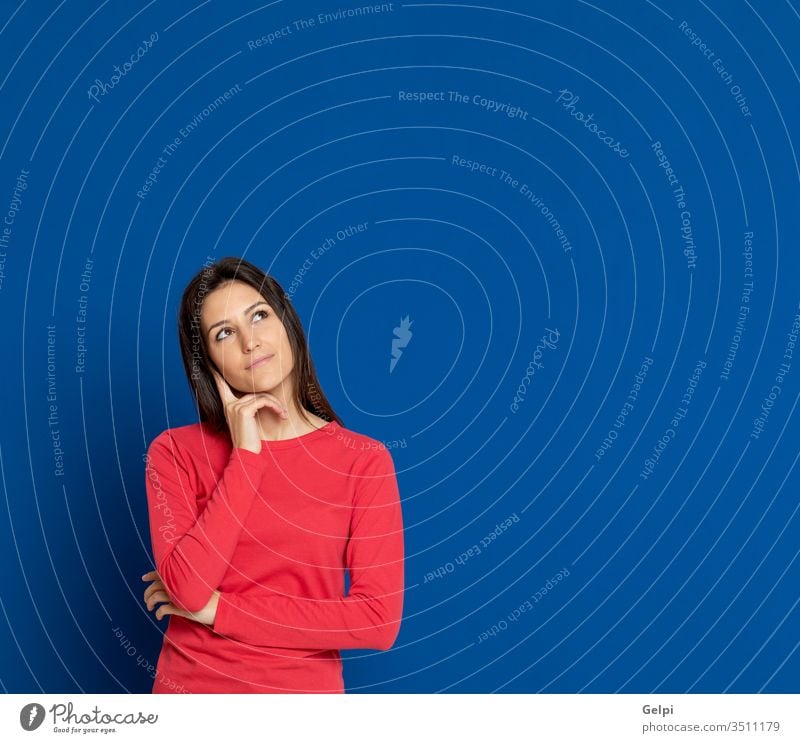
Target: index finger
(225, 391)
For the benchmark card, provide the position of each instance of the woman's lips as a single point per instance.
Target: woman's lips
(260, 361)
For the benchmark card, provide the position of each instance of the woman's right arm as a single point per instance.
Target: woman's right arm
(192, 552)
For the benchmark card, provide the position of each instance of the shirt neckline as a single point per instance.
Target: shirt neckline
(325, 430)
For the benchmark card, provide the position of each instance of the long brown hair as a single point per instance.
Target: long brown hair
(307, 393)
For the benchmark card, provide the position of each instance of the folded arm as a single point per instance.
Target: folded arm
(369, 617)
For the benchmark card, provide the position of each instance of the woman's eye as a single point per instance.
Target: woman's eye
(221, 337)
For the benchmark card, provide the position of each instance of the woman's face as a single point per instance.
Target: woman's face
(240, 329)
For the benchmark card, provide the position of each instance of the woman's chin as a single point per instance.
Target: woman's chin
(242, 390)
(250, 385)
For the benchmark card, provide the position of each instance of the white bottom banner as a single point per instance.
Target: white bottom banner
(395, 717)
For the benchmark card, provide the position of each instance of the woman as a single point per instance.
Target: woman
(257, 511)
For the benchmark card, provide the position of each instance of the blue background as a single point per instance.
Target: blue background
(686, 580)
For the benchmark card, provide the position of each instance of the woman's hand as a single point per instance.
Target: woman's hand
(156, 592)
(241, 412)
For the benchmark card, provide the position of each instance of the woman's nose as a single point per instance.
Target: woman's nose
(250, 343)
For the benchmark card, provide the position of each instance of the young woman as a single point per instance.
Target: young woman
(257, 510)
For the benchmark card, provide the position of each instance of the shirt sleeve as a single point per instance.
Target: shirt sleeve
(369, 617)
(192, 552)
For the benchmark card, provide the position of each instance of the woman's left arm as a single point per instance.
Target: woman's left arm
(369, 616)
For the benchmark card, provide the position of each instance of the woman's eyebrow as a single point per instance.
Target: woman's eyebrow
(222, 322)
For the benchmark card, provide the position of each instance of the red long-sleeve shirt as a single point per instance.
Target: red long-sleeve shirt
(274, 533)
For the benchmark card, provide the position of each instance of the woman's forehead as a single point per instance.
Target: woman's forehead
(229, 300)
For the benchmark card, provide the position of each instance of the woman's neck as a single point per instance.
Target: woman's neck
(273, 428)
